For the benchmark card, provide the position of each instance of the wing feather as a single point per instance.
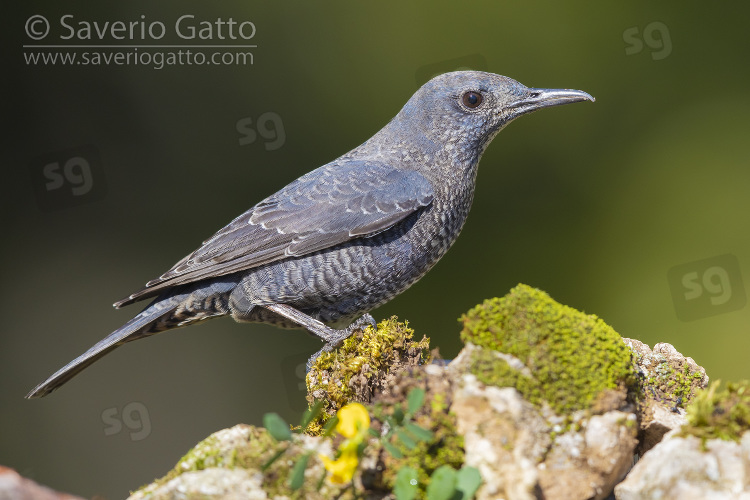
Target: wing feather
(322, 209)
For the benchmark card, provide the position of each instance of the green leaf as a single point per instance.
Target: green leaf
(395, 452)
(468, 481)
(321, 481)
(277, 427)
(373, 432)
(442, 483)
(406, 439)
(311, 414)
(415, 400)
(330, 426)
(398, 415)
(419, 432)
(405, 487)
(275, 457)
(298, 472)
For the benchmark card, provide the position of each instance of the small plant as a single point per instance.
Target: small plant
(400, 424)
(283, 433)
(445, 483)
(352, 422)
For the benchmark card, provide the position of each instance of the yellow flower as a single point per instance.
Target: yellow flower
(342, 470)
(353, 424)
(353, 419)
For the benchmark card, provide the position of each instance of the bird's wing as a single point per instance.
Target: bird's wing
(326, 207)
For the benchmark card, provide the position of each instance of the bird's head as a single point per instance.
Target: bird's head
(464, 110)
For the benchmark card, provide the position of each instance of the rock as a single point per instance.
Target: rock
(589, 462)
(550, 352)
(13, 486)
(516, 448)
(544, 401)
(505, 437)
(668, 381)
(227, 484)
(708, 457)
(364, 365)
(679, 468)
(229, 464)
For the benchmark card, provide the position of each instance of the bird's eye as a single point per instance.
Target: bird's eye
(472, 99)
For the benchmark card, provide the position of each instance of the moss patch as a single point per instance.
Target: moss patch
(363, 365)
(715, 414)
(568, 357)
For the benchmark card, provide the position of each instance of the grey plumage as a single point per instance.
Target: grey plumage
(348, 236)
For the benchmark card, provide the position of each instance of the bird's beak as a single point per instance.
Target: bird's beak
(544, 98)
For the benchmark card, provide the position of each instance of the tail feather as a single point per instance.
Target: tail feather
(151, 320)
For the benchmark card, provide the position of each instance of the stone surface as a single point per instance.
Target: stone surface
(668, 381)
(680, 468)
(589, 462)
(227, 484)
(504, 437)
(544, 401)
(15, 487)
(229, 464)
(522, 453)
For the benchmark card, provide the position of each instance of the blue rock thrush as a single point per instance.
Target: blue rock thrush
(348, 236)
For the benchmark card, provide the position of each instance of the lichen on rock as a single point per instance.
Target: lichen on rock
(230, 464)
(666, 383)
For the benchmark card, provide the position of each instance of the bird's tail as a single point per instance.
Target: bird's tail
(162, 314)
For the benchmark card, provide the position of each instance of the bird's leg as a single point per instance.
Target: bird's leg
(332, 338)
(362, 322)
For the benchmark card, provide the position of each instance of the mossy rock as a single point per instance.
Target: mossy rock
(363, 365)
(549, 352)
(716, 414)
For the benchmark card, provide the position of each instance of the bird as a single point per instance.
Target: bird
(347, 237)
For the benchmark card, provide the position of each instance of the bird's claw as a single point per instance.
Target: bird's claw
(337, 337)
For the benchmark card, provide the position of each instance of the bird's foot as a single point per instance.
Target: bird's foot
(362, 322)
(336, 337)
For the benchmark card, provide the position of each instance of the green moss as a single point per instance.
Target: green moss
(715, 414)
(571, 356)
(366, 354)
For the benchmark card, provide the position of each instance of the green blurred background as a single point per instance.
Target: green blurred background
(594, 203)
